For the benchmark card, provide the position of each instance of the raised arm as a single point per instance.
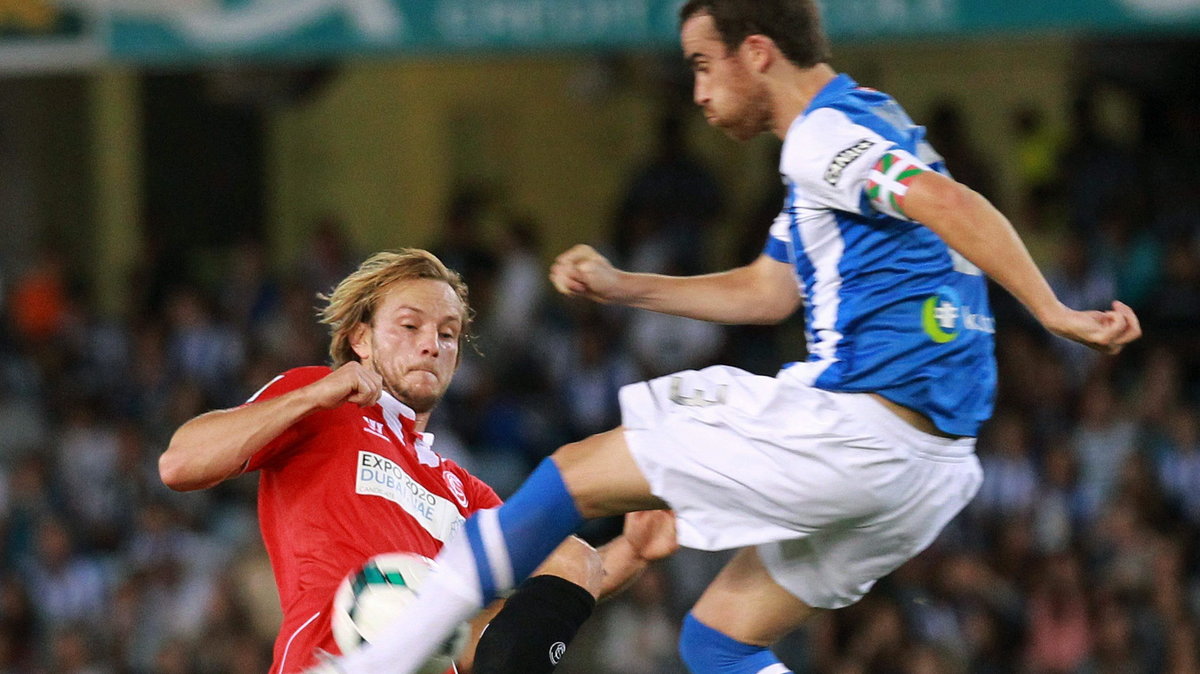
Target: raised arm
(764, 291)
(215, 445)
(969, 224)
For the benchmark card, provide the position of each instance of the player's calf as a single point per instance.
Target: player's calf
(531, 633)
(577, 562)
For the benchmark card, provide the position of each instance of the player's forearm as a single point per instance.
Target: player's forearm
(969, 224)
(622, 566)
(215, 445)
(751, 294)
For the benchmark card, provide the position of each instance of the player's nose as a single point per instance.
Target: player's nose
(429, 342)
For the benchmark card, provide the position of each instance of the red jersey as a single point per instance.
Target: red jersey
(340, 486)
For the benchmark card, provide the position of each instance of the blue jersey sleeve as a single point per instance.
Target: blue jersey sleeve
(842, 164)
(777, 241)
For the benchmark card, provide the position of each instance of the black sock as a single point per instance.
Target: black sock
(532, 631)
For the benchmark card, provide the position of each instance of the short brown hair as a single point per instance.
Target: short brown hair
(356, 298)
(794, 25)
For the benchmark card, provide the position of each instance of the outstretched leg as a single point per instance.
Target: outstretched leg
(499, 548)
(741, 613)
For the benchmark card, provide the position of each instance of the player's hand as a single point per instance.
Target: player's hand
(1104, 331)
(581, 271)
(651, 533)
(352, 382)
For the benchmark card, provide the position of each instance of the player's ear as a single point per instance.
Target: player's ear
(759, 52)
(360, 340)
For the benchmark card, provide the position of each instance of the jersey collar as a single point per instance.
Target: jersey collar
(401, 419)
(831, 91)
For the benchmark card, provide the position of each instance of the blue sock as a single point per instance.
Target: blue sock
(509, 542)
(707, 651)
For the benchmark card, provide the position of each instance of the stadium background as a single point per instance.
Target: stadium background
(173, 196)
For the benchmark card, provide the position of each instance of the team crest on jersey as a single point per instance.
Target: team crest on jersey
(456, 487)
(833, 172)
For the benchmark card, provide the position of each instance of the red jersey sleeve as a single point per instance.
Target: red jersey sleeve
(285, 383)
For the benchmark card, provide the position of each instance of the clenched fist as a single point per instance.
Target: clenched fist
(1104, 331)
(352, 382)
(583, 272)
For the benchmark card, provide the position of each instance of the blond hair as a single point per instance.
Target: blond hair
(356, 298)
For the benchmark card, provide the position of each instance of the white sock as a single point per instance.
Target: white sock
(449, 595)
(457, 561)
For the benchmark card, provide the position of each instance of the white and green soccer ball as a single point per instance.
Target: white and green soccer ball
(371, 597)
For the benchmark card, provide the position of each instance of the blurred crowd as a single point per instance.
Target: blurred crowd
(1080, 553)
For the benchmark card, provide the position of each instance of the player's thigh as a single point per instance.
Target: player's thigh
(603, 478)
(744, 603)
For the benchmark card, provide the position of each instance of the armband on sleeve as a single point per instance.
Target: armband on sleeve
(888, 182)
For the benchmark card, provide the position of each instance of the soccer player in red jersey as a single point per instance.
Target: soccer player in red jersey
(347, 472)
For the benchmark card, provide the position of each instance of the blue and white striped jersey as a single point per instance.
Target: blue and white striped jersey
(889, 307)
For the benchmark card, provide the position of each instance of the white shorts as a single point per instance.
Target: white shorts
(834, 489)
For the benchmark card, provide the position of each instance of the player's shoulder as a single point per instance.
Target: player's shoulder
(469, 490)
(303, 376)
(824, 141)
(453, 467)
(821, 128)
(290, 380)
(310, 372)
(843, 108)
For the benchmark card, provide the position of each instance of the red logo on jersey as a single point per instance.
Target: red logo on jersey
(456, 487)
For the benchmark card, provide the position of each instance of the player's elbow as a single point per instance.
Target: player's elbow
(778, 311)
(771, 308)
(176, 471)
(172, 471)
(767, 293)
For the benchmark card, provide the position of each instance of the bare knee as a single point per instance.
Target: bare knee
(602, 477)
(746, 604)
(576, 561)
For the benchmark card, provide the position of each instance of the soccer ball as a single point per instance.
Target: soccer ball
(371, 597)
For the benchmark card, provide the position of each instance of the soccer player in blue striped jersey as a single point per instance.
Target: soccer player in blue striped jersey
(831, 474)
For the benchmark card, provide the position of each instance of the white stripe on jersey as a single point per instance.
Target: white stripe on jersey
(823, 245)
(264, 388)
(781, 229)
(288, 647)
